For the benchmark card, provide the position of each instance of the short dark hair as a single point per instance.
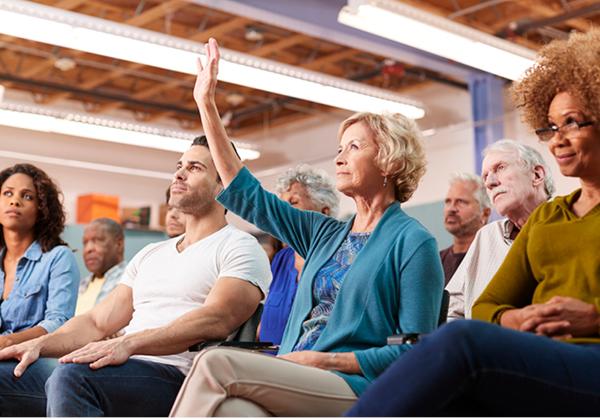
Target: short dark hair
(113, 228)
(203, 141)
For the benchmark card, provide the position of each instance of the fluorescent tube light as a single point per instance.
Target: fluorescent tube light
(24, 19)
(437, 35)
(93, 127)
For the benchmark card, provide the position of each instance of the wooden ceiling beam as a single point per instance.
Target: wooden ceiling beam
(156, 12)
(68, 4)
(547, 10)
(217, 30)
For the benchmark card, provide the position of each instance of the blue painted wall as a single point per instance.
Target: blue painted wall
(134, 241)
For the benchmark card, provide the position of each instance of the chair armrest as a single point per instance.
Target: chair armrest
(249, 345)
(409, 338)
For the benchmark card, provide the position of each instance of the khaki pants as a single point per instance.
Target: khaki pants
(225, 382)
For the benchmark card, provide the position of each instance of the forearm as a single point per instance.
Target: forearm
(224, 157)
(21, 336)
(342, 362)
(74, 334)
(180, 334)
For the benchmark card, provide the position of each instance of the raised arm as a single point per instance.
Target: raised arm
(224, 157)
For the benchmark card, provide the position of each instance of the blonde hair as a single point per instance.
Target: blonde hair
(400, 156)
(572, 66)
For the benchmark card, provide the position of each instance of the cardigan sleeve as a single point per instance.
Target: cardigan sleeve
(513, 284)
(421, 285)
(249, 200)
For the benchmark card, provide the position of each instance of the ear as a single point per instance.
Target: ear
(326, 211)
(485, 215)
(539, 175)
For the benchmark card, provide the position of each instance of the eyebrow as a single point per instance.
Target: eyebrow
(8, 187)
(193, 162)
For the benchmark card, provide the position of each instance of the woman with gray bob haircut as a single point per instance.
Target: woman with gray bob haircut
(304, 188)
(373, 276)
(317, 185)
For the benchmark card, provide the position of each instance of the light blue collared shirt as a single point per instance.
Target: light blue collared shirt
(45, 290)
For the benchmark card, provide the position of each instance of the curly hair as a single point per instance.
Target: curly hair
(319, 186)
(50, 221)
(401, 156)
(571, 65)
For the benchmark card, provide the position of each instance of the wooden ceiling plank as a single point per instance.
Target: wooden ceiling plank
(156, 12)
(547, 11)
(279, 45)
(330, 58)
(217, 30)
(68, 4)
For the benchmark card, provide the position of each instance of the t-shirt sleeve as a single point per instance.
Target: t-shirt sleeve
(131, 270)
(245, 259)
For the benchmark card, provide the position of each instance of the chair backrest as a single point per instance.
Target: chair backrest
(247, 332)
(444, 308)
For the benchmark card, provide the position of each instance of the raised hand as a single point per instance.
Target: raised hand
(206, 79)
(100, 353)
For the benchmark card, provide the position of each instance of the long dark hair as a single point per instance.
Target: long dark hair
(50, 221)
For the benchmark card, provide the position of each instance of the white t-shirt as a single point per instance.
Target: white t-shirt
(167, 283)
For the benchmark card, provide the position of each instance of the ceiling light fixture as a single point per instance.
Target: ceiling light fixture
(94, 127)
(437, 35)
(55, 26)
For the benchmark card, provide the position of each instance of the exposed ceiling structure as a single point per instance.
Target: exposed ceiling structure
(53, 75)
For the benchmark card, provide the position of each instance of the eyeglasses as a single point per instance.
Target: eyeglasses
(546, 133)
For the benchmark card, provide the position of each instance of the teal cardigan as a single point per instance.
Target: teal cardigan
(394, 285)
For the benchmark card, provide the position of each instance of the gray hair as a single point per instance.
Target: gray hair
(528, 156)
(480, 193)
(112, 228)
(318, 185)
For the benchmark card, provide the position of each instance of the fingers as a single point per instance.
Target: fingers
(22, 366)
(83, 354)
(103, 361)
(199, 66)
(554, 328)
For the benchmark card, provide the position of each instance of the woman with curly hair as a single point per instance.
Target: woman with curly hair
(38, 273)
(365, 279)
(538, 353)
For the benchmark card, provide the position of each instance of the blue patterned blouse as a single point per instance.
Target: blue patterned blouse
(326, 287)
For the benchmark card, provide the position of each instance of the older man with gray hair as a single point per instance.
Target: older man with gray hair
(517, 180)
(466, 210)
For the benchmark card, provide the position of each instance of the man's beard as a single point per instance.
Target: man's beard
(195, 203)
(468, 227)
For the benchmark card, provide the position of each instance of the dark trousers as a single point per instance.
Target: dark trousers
(136, 388)
(476, 368)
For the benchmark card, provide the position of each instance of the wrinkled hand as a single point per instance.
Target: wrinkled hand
(206, 79)
(100, 353)
(560, 318)
(4, 342)
(26, 353)
(308, 358)
(565, 317)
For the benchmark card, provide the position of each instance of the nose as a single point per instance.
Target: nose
(491, 181)
(340, 159)
(15, 201)
(180, 173)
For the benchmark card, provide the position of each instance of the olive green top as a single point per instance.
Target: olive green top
(557, 253)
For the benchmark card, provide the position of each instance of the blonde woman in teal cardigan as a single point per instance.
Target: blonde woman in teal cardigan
(376, 275)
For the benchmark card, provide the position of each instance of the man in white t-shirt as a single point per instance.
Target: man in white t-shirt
(198, 286)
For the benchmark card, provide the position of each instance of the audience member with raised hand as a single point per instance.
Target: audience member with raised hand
(38, 276)
(517, 181)
(543, 356)
(200, 286)
(303, 188)
(362, 280)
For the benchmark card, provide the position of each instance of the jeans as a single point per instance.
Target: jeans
(135, 388)
(24, 396)
(476, 368)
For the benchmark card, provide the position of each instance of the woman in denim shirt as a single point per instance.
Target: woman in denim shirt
(39, 275)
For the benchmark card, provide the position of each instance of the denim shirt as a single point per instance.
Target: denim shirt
(45, 290)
